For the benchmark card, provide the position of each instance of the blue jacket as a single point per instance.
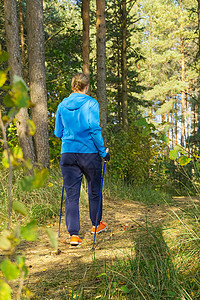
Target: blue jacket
(78, 124)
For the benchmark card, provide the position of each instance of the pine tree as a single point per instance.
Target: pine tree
(12, 42)
(37, 75)
(101, 61)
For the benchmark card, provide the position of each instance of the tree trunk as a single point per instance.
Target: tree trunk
(38, 94)
(101, 61)
(199, 23)
(22, 39)
(12, 41)
(119, 93)
(86, 36)
(188, 116)
(182, 95)
(176, 122)
(124, 68)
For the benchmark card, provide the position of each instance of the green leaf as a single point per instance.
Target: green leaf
(5, 159)
(21, 264)
(13, 159)
(18, 153)
(31, 127)
(12, 112)
(52, 237)
(27, 183)
(34, 182)
(3, 78)
(179, 148)
(4, 56)
(21, 94)
(164, 138)
(5, 291)
(5, 243)
(141, 122)
(9, 269)
(20, 208)
(28, 164)
(173, 154)
(146, 131)
(5, 119)
(20, 261)
(40, 177)
(9, 100)
(124, 289)
(29, 232)
(184, 160)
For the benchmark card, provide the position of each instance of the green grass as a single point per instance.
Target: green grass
(144, 193)
(42, 204)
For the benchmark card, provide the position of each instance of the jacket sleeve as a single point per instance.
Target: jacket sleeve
(95, 129)
(58, 125)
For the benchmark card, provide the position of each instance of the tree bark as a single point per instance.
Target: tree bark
(37, 75)
(199, 23)
(12, 42)
(86, 36)
(182, 95)
(101, 61)
(22, 39)
(119, 92)
(176, 122)
(124, 68)
(188, 115)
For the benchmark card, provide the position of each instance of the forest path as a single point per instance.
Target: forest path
(53, 275)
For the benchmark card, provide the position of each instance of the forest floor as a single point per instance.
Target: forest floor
(66, 273)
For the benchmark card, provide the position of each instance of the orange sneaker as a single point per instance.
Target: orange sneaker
(101, 227)
(75, 240)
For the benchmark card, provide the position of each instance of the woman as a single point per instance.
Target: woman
(77, 123)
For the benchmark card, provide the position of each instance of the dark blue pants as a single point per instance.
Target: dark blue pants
(73, 166)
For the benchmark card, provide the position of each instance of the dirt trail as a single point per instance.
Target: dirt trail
(52, 274)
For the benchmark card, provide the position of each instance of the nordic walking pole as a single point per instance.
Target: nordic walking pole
(60, 210)
(100, 200)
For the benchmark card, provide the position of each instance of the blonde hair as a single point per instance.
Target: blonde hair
(79, 82)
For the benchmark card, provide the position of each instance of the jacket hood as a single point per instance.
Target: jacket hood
(75, 101)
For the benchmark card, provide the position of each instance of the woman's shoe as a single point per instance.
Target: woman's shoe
(75, 240)
(101, 227)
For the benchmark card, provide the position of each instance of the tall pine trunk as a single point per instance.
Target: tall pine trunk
(199, 23)
(22, 39)
(176, 122)
(86, 36)
(119, 93)
(38, 93)
(12, 41)
(101, 61)
(182, 94)
(124, 68)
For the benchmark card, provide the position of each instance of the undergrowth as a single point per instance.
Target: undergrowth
(145, 193)
(164, 261)
(44, 203)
